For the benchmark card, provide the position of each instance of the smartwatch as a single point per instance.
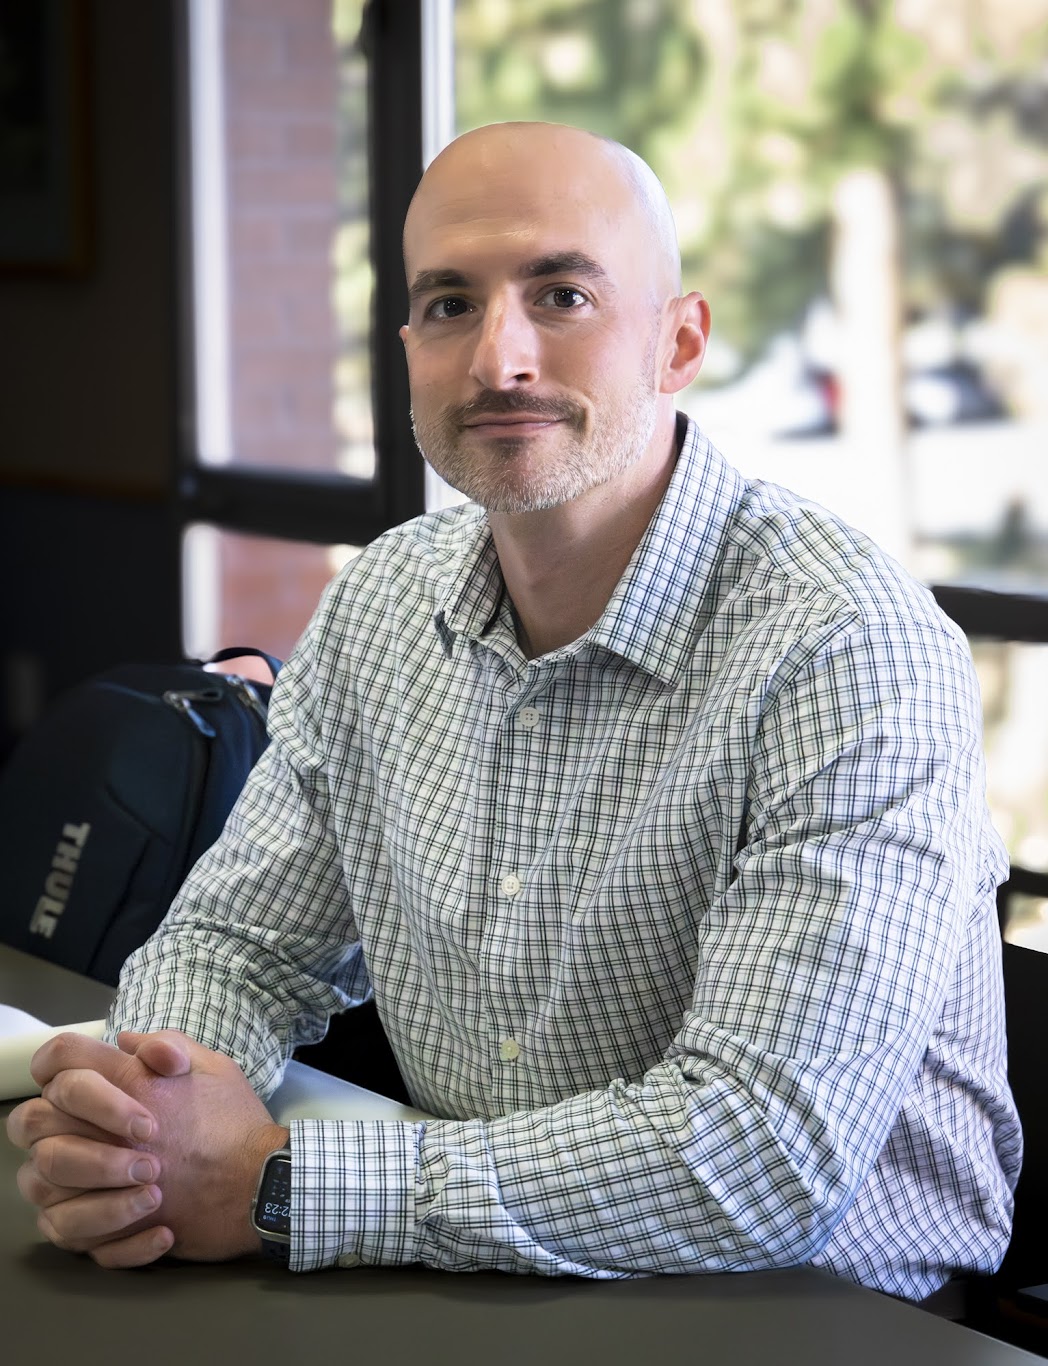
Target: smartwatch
(271, 1207)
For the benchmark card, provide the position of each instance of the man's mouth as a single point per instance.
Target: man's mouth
(510, 421)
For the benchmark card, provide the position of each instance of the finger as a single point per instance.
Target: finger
(71, 1050)
(81, 1223)
(34, 1190)
(38, 1118)
(165, 1052)
(89, 1096)
(138, 1250)
(67, 1160)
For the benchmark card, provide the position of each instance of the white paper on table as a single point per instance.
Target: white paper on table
(306, 1093)
(20, 1036)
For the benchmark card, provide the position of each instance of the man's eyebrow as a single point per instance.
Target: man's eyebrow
(554, 263)
(564, 263)
(427, 280)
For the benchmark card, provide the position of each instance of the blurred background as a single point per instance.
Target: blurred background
(202, 405)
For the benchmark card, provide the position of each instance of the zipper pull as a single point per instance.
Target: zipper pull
(182, 702)
(247, 695)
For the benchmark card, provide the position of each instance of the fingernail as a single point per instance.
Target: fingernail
(146, 1199)
(142, 1170)
(141, 1128)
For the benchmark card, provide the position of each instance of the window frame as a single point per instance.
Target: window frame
(310, 506)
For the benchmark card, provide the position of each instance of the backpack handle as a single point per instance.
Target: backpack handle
(238, 652)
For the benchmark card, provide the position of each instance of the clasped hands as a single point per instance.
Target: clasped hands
(151, 1147)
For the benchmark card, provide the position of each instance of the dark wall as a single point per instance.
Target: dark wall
(89, 395)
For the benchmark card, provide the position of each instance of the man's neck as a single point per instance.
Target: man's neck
(561, 565)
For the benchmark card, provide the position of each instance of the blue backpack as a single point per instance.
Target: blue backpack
(109, 800)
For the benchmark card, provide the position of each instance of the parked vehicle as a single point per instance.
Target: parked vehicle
(954, 392)
(784, 395)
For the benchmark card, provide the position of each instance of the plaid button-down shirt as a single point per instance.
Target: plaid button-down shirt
(685, 931)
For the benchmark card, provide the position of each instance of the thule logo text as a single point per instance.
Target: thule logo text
(64, 863)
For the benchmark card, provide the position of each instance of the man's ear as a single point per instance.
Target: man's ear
(687, 325)
(403, 334)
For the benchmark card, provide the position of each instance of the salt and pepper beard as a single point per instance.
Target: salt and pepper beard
(493, 480)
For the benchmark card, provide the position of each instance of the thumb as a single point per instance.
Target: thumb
(165, 1053)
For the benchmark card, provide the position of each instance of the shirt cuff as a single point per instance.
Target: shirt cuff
(353, 1185)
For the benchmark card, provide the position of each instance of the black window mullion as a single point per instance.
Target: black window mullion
(392, 37)
(994, 614)
(287, 504)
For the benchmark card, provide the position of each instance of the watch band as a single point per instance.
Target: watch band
(276, 1251)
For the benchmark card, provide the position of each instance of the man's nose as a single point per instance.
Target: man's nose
(506, 355)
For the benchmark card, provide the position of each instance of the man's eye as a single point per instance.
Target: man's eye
(563, 296)
(447, 308)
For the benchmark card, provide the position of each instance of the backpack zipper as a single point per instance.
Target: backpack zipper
(247, 695)
(182, 702)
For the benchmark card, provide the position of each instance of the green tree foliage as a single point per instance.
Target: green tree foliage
(751, 111)
(625, 68)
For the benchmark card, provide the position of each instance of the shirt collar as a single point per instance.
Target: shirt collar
(662, 602)
(475, 587)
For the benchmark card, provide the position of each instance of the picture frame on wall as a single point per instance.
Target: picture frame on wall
(44, 137)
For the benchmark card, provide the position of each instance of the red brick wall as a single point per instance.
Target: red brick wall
(280, 86)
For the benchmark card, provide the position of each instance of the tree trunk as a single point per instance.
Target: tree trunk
(865, 277)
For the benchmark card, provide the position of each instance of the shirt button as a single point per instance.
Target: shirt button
(348, 1260)
(511, 884)
(529, 717)
(509, 1050)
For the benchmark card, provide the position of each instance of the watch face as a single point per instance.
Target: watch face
(273, 1206)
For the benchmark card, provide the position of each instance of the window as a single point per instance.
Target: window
(860, 192)
(300, 441)
(1014, 679)
(267, 588)
(284, 279)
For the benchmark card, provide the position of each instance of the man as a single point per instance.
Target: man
(649, 802)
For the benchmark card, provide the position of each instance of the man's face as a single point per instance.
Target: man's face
(534, 326)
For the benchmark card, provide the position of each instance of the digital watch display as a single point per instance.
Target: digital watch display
(271, 1209)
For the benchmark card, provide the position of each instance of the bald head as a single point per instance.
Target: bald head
(530, 169)
(652, 204)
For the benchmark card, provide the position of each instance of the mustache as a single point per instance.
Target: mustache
(498, 404)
